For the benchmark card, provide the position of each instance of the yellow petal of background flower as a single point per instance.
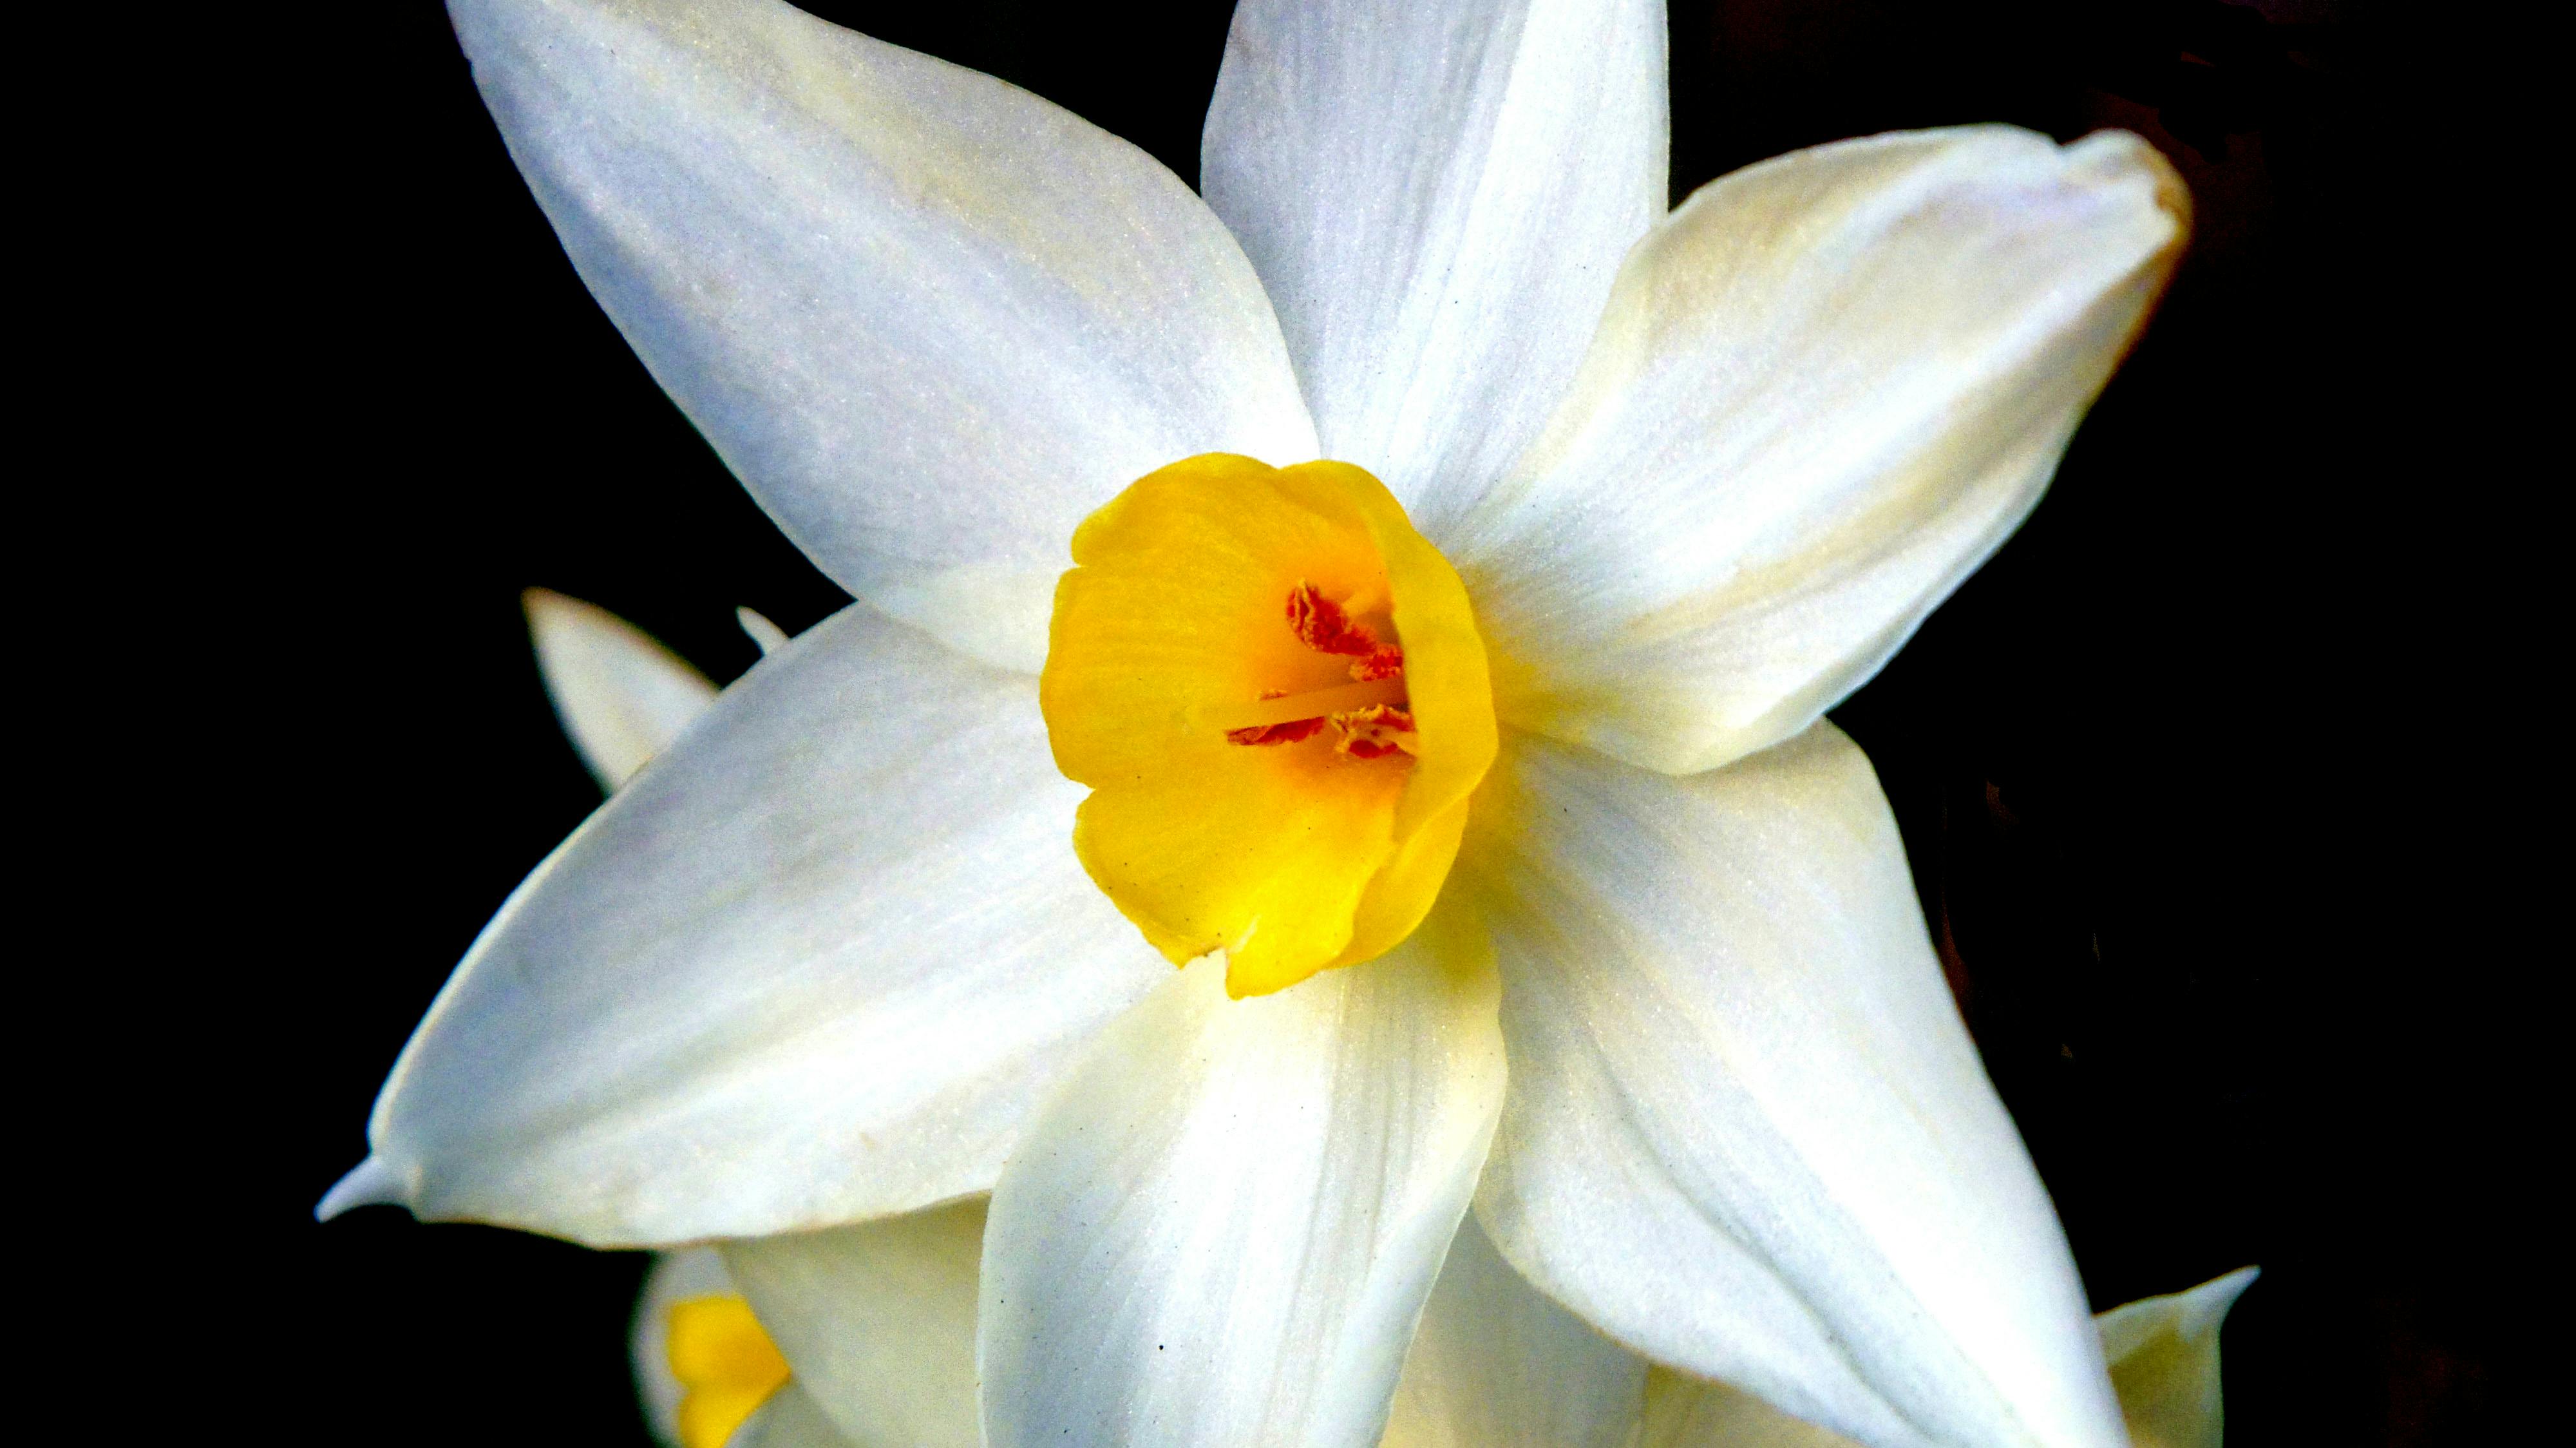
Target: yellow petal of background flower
(878, 1319)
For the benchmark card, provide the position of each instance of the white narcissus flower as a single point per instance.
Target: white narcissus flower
(886, 1310)
(1549, 772)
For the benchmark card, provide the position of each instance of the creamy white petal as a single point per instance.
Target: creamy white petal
(790, 1419)
(809, 967)
(2163, 1354)
(878, 1321)
(1437, 194)
(756, 626)
(622, 697)
(1747, 1134)
(1687, 1412)
(1823, 393)
(1495, 1364)
(930, 320)
(2164, 1362)
(675, 1277)
(1222, 1231)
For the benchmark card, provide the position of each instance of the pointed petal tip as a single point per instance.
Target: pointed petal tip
(769, 636)
(371, 1183)
(2210, 1302)
(542, 604)
(2110, 154)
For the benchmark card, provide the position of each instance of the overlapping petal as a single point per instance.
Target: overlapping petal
(929, 319)
(622, 697)
(752, 995)
(1687, 1412)
(792, 1419)
(1496, 1364)
(1224, 1227)
(1746, 1132)
(1823, 392)
(878, 1320)
(1437, 194)
(2163, 1353)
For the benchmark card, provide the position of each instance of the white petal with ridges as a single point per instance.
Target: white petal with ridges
(878, 1321)
(809, 967)
(1495, 1364)
(1222, 1230)
(622, 697)
(1824, 391)
(930, 320)
(1437, 194)
(1747, 1134)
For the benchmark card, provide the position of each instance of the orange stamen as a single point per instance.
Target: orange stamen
(1369, 711)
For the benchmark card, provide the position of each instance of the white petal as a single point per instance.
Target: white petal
(1747, 1134)
(622, 697)
(675, 1277)
(878, 1321)
(1495, 1364)
(1437, 194)
(930, 320)
(791, 1419)
(1686, 1412)
(2164, 1361)
(2163, 1354)
(1223, 1230)
(809, 967)
(756, 626)
(1823, 392)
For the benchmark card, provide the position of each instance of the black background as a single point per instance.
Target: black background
(2176, 770)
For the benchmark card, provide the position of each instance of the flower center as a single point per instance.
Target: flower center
(1275, 689)
(1368, 716)
(726, 1364)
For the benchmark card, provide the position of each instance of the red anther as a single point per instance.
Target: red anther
(1288, 733)
(1372, 733)
(1384, 662)
(1325, 626)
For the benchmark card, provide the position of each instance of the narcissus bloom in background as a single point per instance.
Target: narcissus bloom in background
(2163, 1359)
(886, 1310)
(1494, 1365)
(1480, 769)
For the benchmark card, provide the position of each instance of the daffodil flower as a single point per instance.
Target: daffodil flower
(1607, 507)
(885, 1312)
